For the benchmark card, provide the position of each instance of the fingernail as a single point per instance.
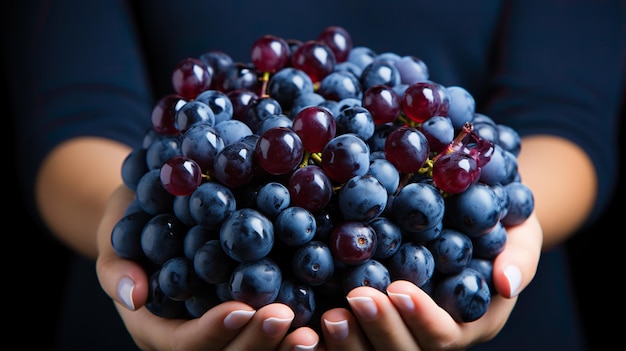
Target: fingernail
(364, 307)
(276, 326)
(338, 330)
(514, 277)
(125, 289)
(402, 301)
(305, 347)
(237, 319)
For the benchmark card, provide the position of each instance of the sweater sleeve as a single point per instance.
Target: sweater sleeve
(75, 69)
(558, 73)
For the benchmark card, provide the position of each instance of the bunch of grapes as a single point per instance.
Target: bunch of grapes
(314, 169)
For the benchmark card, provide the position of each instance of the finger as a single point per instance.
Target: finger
(124, 281)
(381, 322)
(301, 339)
(430, 325)
(515, 267)
(434, 328)
(342, 332)
(265, 330)
(213, 331)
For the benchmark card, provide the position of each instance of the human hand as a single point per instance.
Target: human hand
(407, 318)
(231, 325)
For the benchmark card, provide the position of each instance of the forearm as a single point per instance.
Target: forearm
(73, 185)
(563, 182)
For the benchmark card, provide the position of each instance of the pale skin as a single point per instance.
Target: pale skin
(81, 196)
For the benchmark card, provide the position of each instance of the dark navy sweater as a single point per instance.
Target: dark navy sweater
(77, 68)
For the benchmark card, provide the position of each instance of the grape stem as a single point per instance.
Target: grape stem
(458, 142)
(264, 80)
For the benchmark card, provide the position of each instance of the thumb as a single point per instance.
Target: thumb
(515, 267)
(125, 281)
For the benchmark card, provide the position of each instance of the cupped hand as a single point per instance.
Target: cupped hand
(407, 318)
(228, 326)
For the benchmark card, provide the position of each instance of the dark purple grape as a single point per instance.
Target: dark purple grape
(217, 61)
(362, 198)
(295, 226)
(412, 262)
(382, 102)
(412, 70)
(274, 121)
(238, 76)
(259, 110)
(455, 172)
(151, 195)
(177, 278)
(232, 131)
(241, 99)
(193, 112)
(495, 171)
(315, 58)
(219, 103)
(279, 150)
(272, 198)
(370, 273)
(418, 207)
(344, 157)
(256, 283)
(180, 175)
(301, 298)
(439, 132)
(197, 236)
(269, 53)
(352, 242)
(211, 203)
(126, 236)
(134, 167)
(235, 165)
(162, 238)
(162, 149)
(356, 120)
(339, 85)
(407, 149)
(180, 208)
(315, 126)
(312, 263)
(247, 235)
(485, 268)
(386, 173)
(508, 139)
(305, 100)
(287, 84)
(350, 67)
(190, 77)
(212, 264)
(201, 143)
(160, 304)
(452, 251)
(204, 298)
(521, 203)
(464, 295)
(475, 211)
(423, 100)
(388, 237)
(339, 41)
(379, 72)
(310, 188)
(462, 106)
(490, 244)
(361, 56)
